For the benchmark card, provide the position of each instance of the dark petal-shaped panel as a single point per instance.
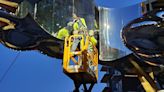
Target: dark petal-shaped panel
(17, 1)
(12, 5)
(145, 37)
(28, 35)
(9, 7)
(31, 1)
(53, 48)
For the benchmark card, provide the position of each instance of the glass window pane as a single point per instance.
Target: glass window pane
(112, 20)
(55, 14)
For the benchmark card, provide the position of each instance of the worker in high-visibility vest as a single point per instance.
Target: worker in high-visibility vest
(91, 50)
(79, 24)
(79, 27)
(65, 31)
(92, 38)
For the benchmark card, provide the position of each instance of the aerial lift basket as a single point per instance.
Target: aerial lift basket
(80, 65)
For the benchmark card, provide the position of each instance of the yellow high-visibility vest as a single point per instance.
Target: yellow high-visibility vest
(93, 40)
(62, 33)
(76, 25)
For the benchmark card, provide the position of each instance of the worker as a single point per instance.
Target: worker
(91, 50)
(79, 23)
(79, 27)
(65, 31)
(92, 38)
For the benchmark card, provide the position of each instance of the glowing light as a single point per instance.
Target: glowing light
(107, 26)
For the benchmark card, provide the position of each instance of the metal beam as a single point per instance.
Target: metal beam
(146, 81)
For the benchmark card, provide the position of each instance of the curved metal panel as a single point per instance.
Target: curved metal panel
(28, 35)
(147, 39)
